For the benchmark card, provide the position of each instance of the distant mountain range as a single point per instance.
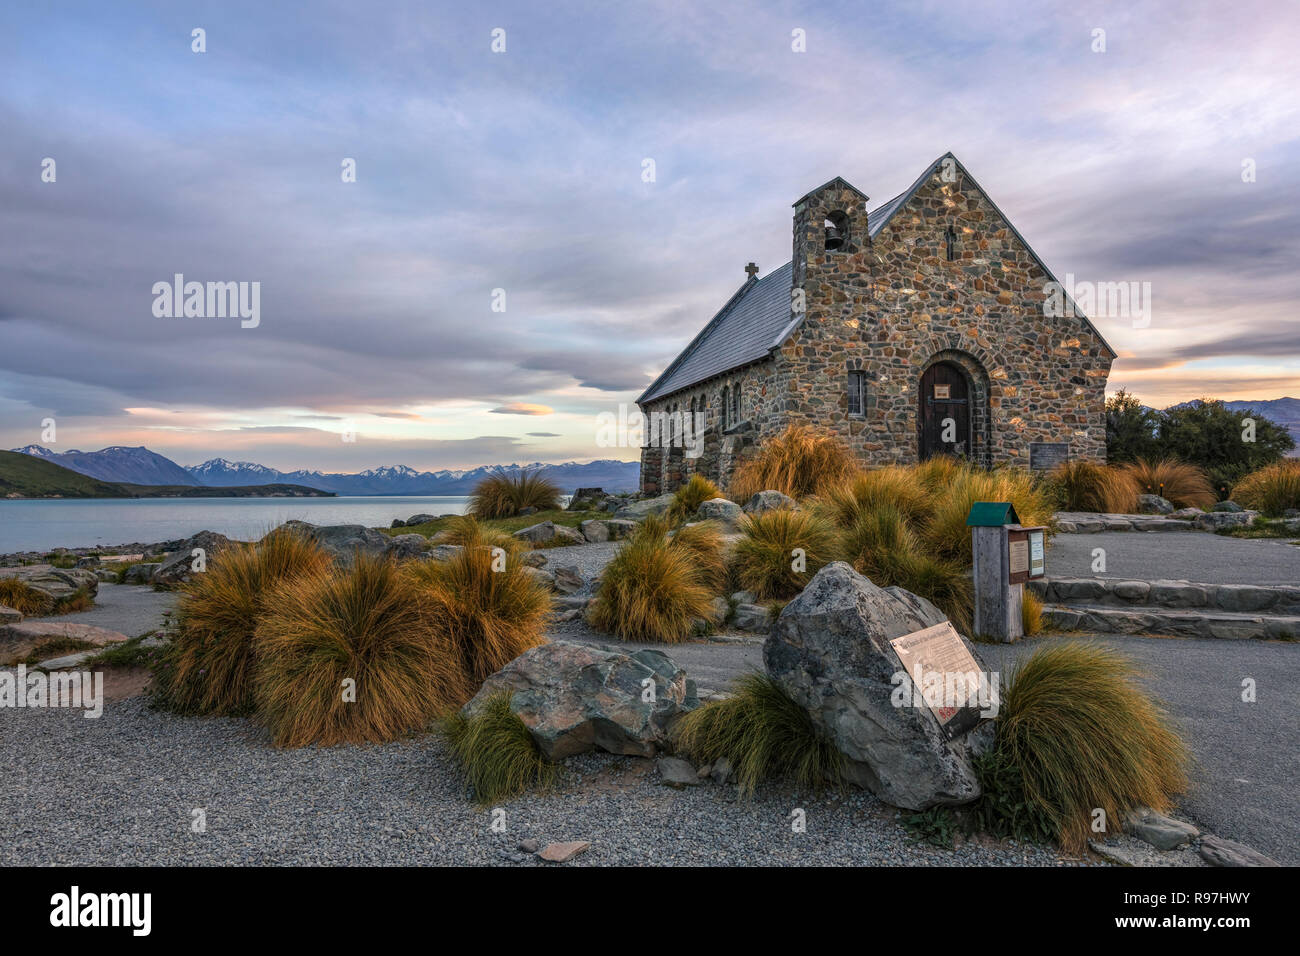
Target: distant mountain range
(144, 467)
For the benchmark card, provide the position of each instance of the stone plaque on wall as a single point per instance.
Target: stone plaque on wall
(1046, 455)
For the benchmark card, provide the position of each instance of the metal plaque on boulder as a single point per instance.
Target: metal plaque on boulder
(1046, 455)
(945, 677)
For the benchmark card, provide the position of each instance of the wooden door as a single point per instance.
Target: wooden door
(943, 419)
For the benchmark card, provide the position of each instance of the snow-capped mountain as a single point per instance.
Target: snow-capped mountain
(134, 465)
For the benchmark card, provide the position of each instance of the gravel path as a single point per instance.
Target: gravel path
(121, 790)
(1176, 555)
(129, 609)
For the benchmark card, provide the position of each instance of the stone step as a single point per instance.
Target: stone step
(1175, 594)
(1087, 522)
(1190, 622)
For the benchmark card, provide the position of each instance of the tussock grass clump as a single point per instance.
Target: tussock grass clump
(902, 488)
(367, 624)
(763, 560)
(208, 666)
(501, 495)
(1088, 486)
(1270, 490)
(487, 617)
(688, 498)
(799, 462)
(945, 534)
(467, 531)
(703, 541)
(496, 752)
(655, 588)
(764, 735)
(1031, 614)
(1083, 734)
(24, 598)
(1184, 485)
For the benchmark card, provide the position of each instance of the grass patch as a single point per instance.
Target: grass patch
(1183, 485)
(763, 561)
(366, 629)
(764, 735)
(501, 495)
(1270, 491)
(799, 462)
(1003, 809)
(208, 667)
(1031, 614)
(130, 653)
(33, 602)
(49, 647)
(1076, 732)
(1089, 486)
(688, 498)
(1261, 527)
(656, 588)
(486, 617)
(496, 752)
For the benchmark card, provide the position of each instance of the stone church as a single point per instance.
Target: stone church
(917, 328)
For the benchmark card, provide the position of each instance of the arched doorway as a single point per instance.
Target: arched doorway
(944, 416)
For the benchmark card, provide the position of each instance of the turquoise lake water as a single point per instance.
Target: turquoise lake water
(39, 525)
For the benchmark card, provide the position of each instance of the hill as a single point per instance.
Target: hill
(26, 476)
(121, 463)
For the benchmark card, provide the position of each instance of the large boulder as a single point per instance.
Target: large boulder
(55, 583)
(594, 530)
(1214, 520)
(586, 499)
(574, 698)
(342, 541)
(830, 651)
(406, 546)
(762, 501)
(719, 509)
(620, 528)
(179, 565)
(641, 509)
(548, 532)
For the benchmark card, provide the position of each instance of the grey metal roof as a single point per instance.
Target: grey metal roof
(757, 318)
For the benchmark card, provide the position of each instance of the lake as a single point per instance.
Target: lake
(43, 524)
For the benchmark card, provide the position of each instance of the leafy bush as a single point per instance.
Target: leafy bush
(208, 666)
(1131, 429)
(487, 617)
(763, 734)
(763, 560)
(1003, 809)
(496, 752)
(1184, 485)
(1089, 486)
(655, 588)
(688, 498)
(1270, 490)
(799, 462)
(501, 495)
(1083, 734)
(366, 624)
(1208, 434)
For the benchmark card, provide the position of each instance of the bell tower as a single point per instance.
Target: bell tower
(832, 263)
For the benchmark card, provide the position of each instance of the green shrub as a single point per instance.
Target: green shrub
(763, 560)
(501, 495)
(1003, 809)
(496, 752)
(1083, 734)
(764, 735)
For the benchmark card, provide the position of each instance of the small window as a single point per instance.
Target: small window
(726, 407)
(857, 393)
(837, 231)
(735, 405)
(950, 243)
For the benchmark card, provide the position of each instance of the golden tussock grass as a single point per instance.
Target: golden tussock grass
(1184, 485)
(1271, 490)
(799, 462)
(763, 559)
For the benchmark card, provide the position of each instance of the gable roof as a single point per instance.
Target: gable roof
(756, 320)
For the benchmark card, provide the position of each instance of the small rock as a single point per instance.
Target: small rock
(568, 580)
(677, 773)
(718, 611)
(752, 617)
(722, 772)
(769, 501)
(414, 520)
(9, 616)
(564, 852)
(1229, 506)
(529, 845)
(1154, 505)
(1219, 852)
(744, 597)
(397, 523)
(594, 530)
(548, 532)
(1162, 832)
(619, 528)
(533, 559)
(719, 509)
(404, 546)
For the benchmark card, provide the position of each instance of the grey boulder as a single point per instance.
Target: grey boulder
(1154, 505)
(342, 542)
(548, 532)
(574, 698)
(180, 564)
(593, 530)
(57, 583)
(641, 509)
(406, 546)
(829, 650)
(762, 501)
(719, 509)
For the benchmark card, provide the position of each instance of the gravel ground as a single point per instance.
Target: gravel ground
(129, 609)
(121, 790)
(1177, 556)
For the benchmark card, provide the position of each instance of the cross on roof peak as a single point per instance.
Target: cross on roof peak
(751, 270)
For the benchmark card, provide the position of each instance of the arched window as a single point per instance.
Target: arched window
(735, 404)
(726, 407)
(950, 243)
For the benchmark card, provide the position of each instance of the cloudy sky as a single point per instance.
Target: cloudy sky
(522, 171)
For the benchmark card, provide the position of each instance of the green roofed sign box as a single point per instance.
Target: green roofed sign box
(991, 514)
